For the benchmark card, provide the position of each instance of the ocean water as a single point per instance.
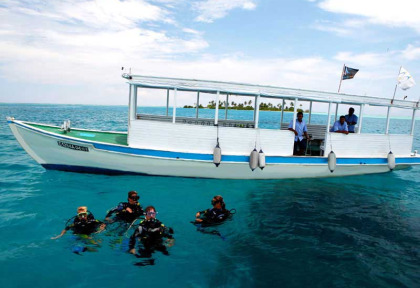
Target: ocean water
(361, 231)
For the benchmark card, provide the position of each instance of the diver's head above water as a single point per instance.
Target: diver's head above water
(150, 213)
(82, 213)
(218, 202)
(133, 197)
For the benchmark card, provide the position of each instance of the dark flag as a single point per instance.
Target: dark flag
(348, 73)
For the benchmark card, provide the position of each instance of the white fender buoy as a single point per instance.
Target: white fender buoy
(253, 159)
(391, 161)
(261, 159)
(217, 155)
(332, 161)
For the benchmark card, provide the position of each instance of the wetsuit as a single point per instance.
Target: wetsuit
(123, 215)
(151, 233)
(213, 215)
(87, 226)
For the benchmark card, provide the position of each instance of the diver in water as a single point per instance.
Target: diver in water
(215, 215)
(126, 211)
(151, 233)
(83, 223)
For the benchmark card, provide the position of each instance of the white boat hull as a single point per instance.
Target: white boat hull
(69, 154)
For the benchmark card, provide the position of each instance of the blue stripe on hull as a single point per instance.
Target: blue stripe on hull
(294, 160)
(407, 160)
(362, 161)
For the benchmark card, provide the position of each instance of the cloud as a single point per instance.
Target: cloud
(364, 59)
(211, 10)
(75, 42)
(343, 29)
(192, 31)
(328, 26)
(388, 13)
(112, 14)
(380, 60)
(411, 52)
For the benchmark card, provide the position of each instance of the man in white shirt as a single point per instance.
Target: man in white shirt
(301, 135)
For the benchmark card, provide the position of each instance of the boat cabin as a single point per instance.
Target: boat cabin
(240, 137)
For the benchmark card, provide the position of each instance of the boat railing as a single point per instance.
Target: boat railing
(198, 121)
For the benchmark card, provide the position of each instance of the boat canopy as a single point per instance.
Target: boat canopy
(233, 88)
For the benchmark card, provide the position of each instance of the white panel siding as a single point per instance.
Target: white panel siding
(368, 145)
(165, 136)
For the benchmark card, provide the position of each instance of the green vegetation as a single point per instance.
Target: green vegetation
(246, 105)
(188, 106)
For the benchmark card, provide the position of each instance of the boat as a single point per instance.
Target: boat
(221, 148)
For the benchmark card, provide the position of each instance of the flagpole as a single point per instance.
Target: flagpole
(395, 90)
(341, 78)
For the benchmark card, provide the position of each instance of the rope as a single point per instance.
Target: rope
(217, 128)
(329, 136)
(389, 143)
(256, 138)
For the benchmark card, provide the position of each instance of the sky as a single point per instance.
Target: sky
(72, 52)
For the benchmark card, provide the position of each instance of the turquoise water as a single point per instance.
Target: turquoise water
(359, 231)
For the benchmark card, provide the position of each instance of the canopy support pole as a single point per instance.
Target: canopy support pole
(388, 114)
(130, 88)
(362, 108)
(255, 107)
(133, 102)
(216, 116)
(329, 117)
(198, 104)
(336, 113)
(282, 112)
(174, 107)
(167, 102)
(227, 106)
(310, 112)
(257, 110)
(413, 121)
(294, 114)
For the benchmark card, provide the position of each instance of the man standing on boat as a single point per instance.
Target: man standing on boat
(351, 120)
(301, 135)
